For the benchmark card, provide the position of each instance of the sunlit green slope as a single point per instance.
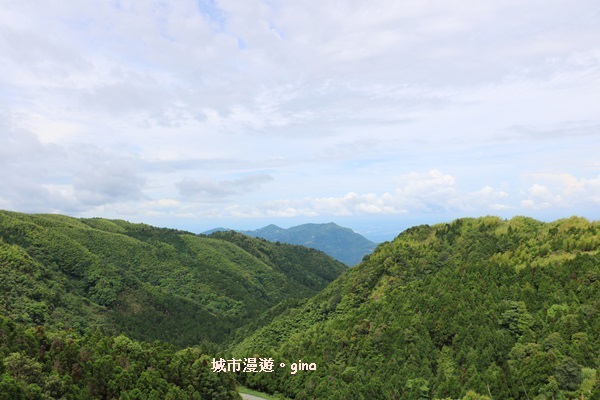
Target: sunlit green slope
(478, 308)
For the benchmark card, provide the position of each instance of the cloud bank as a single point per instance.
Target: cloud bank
(270, 109)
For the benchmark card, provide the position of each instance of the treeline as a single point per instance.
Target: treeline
(475, 309)
(36, 364)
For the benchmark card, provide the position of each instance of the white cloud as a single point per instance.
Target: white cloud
(64, 178)
(562, 191)
(281, 109)
(428, 192)
(108, 182)
(211, 190)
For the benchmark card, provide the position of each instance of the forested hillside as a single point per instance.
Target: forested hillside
(474, 309)
(40, 364)
(71, 288)
(477, 309)
(146, 282)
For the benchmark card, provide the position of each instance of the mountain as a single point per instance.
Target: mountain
(341, 243)
(474, 309)
(148, 283)
(98, 308)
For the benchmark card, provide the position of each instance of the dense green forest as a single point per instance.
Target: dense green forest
(64, 365)
(88, 306)
(475, 309)
(146, 282)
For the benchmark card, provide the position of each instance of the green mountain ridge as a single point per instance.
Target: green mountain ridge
(480, 308)
(149, 283)
(475, 309)
(339, 242)
(100, 309)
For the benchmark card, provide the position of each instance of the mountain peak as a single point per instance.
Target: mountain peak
(339, 242)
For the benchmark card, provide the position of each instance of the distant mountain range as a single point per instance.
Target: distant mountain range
(341, 243)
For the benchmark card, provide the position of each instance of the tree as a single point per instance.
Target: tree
(568, 374)
(23, 368)
(10, 388)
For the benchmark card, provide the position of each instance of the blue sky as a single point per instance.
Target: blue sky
(376, 115)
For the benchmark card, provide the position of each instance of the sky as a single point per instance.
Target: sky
(376, 115)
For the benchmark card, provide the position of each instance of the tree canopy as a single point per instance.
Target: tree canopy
(477, 308)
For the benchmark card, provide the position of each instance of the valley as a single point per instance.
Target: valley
(478, 308)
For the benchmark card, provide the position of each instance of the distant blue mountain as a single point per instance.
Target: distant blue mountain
(341, 243)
